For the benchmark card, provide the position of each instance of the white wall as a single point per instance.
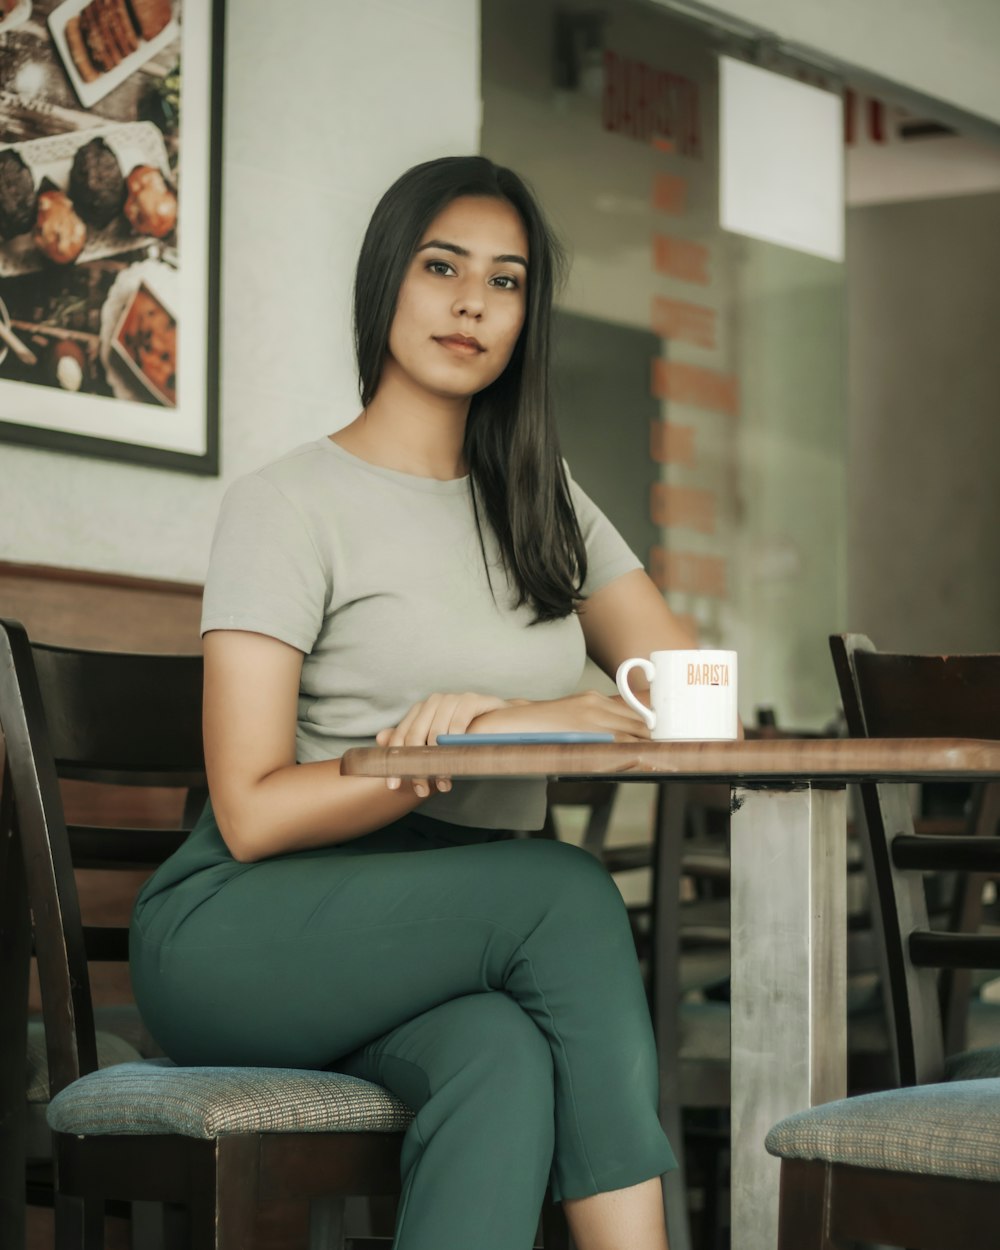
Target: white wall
(924, 515)
(943, 48)
(324, 107)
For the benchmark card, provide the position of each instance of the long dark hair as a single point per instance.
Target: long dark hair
(511, 447)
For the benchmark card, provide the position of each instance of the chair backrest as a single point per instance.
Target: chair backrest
(91, 716)
(888, 695)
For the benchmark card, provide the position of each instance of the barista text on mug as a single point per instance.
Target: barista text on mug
(708, 675)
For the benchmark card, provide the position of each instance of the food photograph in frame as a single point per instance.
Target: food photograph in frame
(110, 126)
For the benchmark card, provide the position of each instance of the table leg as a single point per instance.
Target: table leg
(789, 979)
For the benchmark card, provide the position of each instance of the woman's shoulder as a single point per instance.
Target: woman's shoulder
(300, 464)
(297, 475)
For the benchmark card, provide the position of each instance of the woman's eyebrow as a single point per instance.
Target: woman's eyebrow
(507, 259)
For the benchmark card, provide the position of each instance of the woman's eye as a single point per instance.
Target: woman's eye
(505, 282)
(439, 266)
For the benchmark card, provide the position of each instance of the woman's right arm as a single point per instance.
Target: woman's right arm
(264, 802)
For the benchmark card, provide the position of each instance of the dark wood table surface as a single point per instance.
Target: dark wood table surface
(763, 759)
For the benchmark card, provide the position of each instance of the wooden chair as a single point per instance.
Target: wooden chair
(917, 1166)
(241, 1158)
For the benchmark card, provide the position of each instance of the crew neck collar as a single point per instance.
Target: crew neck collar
(433, 485)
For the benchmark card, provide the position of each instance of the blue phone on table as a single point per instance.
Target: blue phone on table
(538, 739)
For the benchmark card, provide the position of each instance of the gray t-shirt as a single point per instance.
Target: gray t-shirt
(378, 577)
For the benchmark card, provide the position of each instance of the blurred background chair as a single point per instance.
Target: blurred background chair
(916, 1166)
(237, 1157)
(928, 873)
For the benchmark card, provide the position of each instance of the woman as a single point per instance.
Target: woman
(433, 545)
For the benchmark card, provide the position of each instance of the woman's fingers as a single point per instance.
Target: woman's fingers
(440, 714)
(614, 715)
(426, 721)
(439, 718)
(399, 736)
(420, 733)
(435, 718)
(448, 719)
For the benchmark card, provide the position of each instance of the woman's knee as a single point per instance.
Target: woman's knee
(490, 1087)
(496, 1044)
(571, 878)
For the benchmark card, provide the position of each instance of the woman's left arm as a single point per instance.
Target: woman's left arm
(625, 618)
(628, 617)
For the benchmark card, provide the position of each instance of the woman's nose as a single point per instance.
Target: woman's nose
(468, 302)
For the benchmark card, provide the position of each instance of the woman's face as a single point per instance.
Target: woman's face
(462, 302)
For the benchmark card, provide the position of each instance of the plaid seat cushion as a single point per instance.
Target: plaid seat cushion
(111, 1049)
(951, 1129)
(155, 1096)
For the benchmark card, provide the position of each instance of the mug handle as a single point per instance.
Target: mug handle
(621, 681)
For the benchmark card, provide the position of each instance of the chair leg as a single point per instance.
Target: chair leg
(79, 1223)
(177, 1227)
(223, 1206)
(146, 1229)
(716, 1231)
(326, 1224)
(675, 1198)
(236, 1166)
(804, 1217)
(282, 1225)
(555, 1230)
(241, 1220)
(671, 807)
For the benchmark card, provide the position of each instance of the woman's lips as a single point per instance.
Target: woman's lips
(461, 344)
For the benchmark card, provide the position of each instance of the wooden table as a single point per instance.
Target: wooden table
(788, 917)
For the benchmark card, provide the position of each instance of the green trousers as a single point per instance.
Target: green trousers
(490, 982)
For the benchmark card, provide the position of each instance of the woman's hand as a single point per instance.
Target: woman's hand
(437, 714)
(589, 712)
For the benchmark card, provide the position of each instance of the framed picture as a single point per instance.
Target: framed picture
(110, 178)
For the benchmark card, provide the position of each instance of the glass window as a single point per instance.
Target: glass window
(700, 373)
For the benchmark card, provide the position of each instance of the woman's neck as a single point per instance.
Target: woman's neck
(410, 430)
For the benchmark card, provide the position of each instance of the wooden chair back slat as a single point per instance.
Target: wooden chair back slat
(105, 943)
(122, 714)
(921, 853)
(928, 696)
(954, 950)
(93, 847)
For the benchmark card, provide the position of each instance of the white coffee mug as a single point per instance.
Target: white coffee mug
(692, 695)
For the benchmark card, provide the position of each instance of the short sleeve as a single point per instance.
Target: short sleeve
(608, 554)
(264, 572)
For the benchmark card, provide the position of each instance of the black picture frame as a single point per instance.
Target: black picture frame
(144, 105)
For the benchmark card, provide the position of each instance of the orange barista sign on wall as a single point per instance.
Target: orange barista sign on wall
(646, 103)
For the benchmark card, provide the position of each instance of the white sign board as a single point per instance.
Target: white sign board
(781, 157)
